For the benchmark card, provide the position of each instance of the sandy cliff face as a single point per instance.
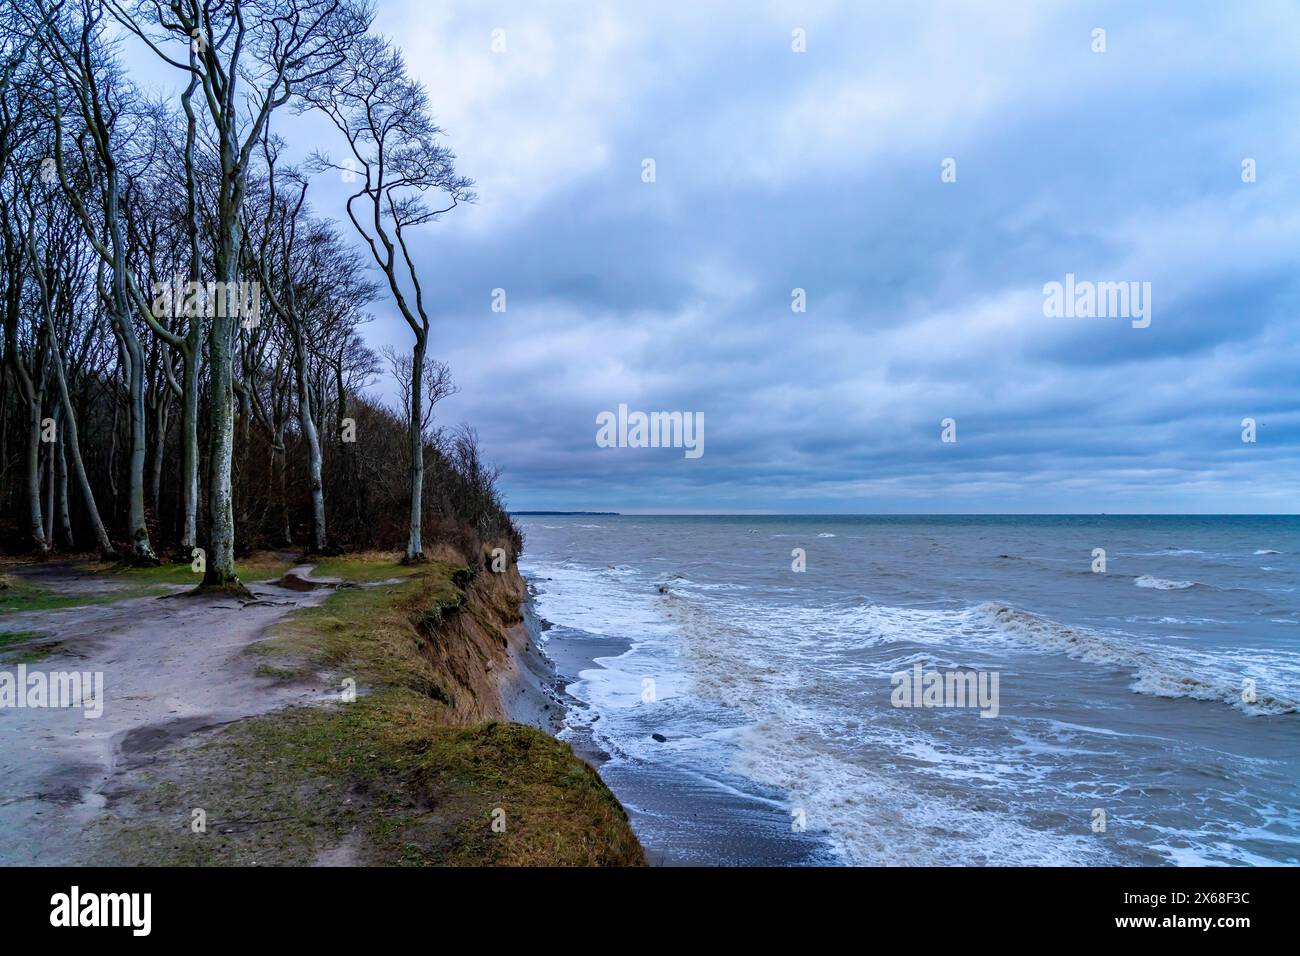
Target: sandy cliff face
(479, 645)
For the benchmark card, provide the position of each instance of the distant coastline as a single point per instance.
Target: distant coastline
(535, 513)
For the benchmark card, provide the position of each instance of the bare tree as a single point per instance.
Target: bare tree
(436, 383)
(312, 284)
(248, 56)
(24, 347)
(129, 223)
(74, 44)
(394, 152)
(59, 247)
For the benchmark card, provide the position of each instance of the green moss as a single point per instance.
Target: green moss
(26, 647)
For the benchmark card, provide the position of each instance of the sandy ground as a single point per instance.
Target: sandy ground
(173, 668)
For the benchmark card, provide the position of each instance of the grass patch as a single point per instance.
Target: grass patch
(34, 654)
(391, 775)
(366, 567)
(283, 673)
(260, 566)
(21, 596)
(9, 638)
(366, 632)
(281, 789)
(26, 647)
(18, 595)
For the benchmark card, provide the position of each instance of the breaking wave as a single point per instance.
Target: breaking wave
(1155, 673)
(1161, 584)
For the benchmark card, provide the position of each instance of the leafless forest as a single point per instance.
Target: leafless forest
(184, 373)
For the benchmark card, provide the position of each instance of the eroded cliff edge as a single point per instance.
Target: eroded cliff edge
(423, 743)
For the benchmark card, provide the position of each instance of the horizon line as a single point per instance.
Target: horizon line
(525, 512)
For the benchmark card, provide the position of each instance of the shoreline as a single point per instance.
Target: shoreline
(680, 818)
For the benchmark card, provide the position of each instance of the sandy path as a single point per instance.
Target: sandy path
(172, 667)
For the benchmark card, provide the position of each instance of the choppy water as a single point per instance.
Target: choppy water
(1120, 692)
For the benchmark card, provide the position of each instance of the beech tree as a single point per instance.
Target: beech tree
(395, 155)
(248, 57)
(72, 42)
(134, 227)
(312, 285)
(61, 250)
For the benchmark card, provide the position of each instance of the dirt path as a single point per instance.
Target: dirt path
(172, 667)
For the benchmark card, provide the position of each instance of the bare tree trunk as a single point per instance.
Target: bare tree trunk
(221, 420)
(190, 452)
(39, 542)
(110, 244)
(141, 552)
(342, 410)
(112, 457)
(414, 545)
(48, 479)
(65, 514)
(277, 482)
(307, 419)
(161, 416)
(191, 347)
(73, 442)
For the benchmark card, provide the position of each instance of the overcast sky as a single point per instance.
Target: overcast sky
(822, 170)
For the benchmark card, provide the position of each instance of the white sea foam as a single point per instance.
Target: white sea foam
(1157, 671)
(871, 818)
(766, 668)
(1176, 621)
(595, 600)
(1161, 584)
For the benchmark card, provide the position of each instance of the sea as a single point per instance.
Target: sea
(745, 684)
